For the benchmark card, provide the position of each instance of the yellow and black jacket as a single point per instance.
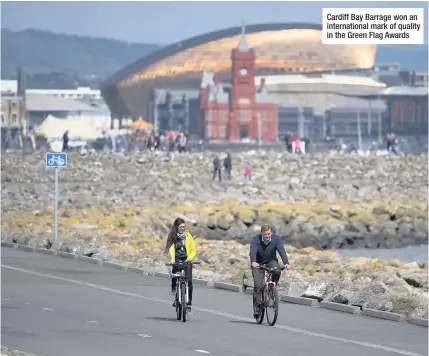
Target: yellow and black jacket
(191, 250)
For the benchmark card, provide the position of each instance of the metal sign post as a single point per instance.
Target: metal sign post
(56, 161)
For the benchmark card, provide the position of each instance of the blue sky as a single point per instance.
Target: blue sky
(165, 22)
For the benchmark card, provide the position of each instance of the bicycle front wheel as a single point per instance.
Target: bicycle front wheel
(272, 305)
(183, 302)
(178, 305)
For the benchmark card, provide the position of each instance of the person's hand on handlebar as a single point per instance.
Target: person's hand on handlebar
(287, 268)
(255, 264)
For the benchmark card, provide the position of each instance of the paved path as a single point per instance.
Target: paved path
(61, 307)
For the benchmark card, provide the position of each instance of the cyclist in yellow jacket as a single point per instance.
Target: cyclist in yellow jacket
(181, 247)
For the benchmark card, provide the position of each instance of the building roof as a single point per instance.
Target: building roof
(295, 45)
(397, 91)
(321, 79)
(42, 102)
(9, 86)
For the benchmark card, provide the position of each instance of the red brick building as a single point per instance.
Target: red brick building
(244, 112)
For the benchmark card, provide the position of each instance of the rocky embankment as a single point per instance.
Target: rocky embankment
(321, 201)
(120, 209)
(5, 351)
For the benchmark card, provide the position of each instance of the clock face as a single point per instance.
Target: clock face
(243, 71)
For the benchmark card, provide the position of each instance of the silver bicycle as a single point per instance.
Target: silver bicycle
(182, 289)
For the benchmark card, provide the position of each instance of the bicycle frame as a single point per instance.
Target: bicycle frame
(268, 279)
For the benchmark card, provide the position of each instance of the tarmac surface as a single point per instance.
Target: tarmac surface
(55, 306)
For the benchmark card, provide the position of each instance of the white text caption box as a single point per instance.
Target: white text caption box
(373, 26)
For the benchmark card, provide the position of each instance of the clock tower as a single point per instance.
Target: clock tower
(246, 112)
(243, 73)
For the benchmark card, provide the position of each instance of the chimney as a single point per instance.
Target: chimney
(22, 85)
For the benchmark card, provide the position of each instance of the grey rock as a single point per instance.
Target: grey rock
(414, 277)
(421, 311)
(318, 290)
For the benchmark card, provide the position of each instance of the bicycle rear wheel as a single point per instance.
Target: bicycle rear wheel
(272, 305)
(183, 302)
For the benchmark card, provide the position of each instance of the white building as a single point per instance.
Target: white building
(79, 93)
(61, 103)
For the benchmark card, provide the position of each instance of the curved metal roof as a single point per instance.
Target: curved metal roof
(180, 46)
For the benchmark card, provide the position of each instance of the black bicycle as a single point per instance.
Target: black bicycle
(182, 289)
(270, 297)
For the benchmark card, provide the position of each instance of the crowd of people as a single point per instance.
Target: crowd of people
(169, 142)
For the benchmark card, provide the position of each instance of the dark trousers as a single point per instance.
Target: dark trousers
(258, 280)
(227, 173)
(218, 172)
(188, 273)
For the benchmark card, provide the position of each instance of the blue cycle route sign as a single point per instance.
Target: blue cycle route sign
(56, 160)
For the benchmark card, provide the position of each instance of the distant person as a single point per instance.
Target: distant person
(177, 140)
(113, 141)
(298, 146)
(289, 138)
(227, 163)
(353, 148)
(217, 168)
(306, 145)
(66, 141)
(247, 172)
(83, 151)
(182, 142)
(125, 142)
(391, 143)
(171, 145)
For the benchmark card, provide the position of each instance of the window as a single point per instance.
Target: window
(243, 101)
(14, 105)
(244, 115)
(209, 115)
(223, 115)
(222, 131)
(14, 119)
(3, 121)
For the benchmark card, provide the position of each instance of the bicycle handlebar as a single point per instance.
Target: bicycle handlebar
(265, 268)
(181, 264)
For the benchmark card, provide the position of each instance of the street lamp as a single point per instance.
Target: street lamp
(359, 130)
